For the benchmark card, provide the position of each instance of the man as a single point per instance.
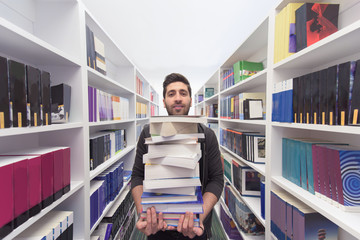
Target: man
(177, 101)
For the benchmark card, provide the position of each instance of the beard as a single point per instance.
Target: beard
(173, 111)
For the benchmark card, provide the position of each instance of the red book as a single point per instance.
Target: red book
(7, 198)
(66, 169)
(58, 172)
(34, 180)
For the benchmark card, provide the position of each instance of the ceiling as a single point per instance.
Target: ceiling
(191, 37)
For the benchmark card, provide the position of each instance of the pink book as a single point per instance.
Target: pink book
(34, 179)
(315, 159)
(66, 169)
(7, 198)
(58, 173)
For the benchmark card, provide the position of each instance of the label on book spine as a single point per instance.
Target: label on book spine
(35, 119)
(315, 118)
(19, 120)
(2, 120)
(331, 118)
(46, 119)
(355, 116)
(342, 118)
(323, 118)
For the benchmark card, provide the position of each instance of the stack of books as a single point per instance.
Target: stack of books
(172, 183)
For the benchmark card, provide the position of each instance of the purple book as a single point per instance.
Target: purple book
(90, 103)
(95, 109)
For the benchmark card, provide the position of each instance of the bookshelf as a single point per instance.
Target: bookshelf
(51, 35)
(259, 46)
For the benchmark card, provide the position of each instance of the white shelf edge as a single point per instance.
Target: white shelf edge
(99, 169)
(319, 127)
(40, 129)
(74, 187)
(142, 98)
(254, 122)
(142, 119)
(348, 221)
(102, 123)
(212, 118)
(107, 208)
(212, 98)
(259, 167)
(243, 235)
(106, 78)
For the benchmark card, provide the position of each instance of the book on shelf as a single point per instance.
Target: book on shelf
(60, 103)
(313, 22)
(244, 69)
(95, 196)
(331, 96)
(103, 230)
(33, 95)
(345, 76)
(17, 83)
(253, 109)
(245, 179)
(210, 91)
(315, 98)
(354, 118)
(95, 50)
(227, 77)
(4, 95)
(227, 162)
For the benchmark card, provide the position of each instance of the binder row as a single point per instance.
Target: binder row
(32, 179)
(241, 106)
(291, 218)
(141, 110)
(211, 110)
(140, 86)
(102, 232)
(54, 225)
(329, 96)
(119, 213)
(229, 225)
(327, 169)
(25, 95)
(248, 145)
(103, 190)
(95, 50)
(241, 214)
(106, 107)
(106, 144)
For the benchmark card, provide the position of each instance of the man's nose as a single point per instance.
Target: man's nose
(178, 97)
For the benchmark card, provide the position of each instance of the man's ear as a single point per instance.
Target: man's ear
(164, 102)
(190, 102)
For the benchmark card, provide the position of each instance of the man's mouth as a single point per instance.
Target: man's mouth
(178, 107)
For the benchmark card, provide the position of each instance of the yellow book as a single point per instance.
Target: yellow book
(277, 38)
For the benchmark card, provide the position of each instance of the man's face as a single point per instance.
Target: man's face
(177, 99)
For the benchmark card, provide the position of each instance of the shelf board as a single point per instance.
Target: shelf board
(41, 129)
(319, 127)
(104, 83)
(23, 45)
(142, 99)
(349, 221)
(254, 81)
(243, 235)
(142, 119)
(255, 122)
(74, 187)
(259, 167)
(103, 123)
(108, 207)
(338, 45)
(109, 162)
(213, 98)
(212, 118)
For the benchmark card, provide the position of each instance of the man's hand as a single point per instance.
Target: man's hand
(151, 225)
(186, 226)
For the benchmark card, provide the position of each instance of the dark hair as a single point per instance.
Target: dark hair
(175, 77)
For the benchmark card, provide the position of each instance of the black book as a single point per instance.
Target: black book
(88, 47)
(300, 28)
(33, 94)
(332, 72)
(307, 98)
(60, 99)
(45, 93)
(300, 99)
(315, 100)
(343, 92)
(18, 93)
(323, 96)
(355, 97)
(253, 109)
(295, 100)
(4, 95)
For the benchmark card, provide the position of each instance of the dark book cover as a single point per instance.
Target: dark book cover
(4, 95)
(307, 98)
(60, 98)
(253, 109)
(345, 72)
(300, 99)
(315, 21)
(33, 93)
(332, 74)
(323, 96)
(18, 93)
(45, 98)
(315, 98)
(88, 47)
(355, 97)
(295, 100)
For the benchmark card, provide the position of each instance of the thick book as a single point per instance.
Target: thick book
(355, 98)
(178, 190)
(33, 95)
(323, 111)
(195, 206)
(307, 98)
(152, 171)
(345, 75)
(295, 99)
(7, 197)
(160, 139)
(45, 92)
(150, 198)
(60, 107)
(4, 95)
(176, 150)
(315, 98)
(184, 161)
(253, 109)
(331, 96)
(171, 183)
(99, 48)
(18, 102)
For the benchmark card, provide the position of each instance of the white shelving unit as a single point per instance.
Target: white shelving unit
(337, 48)
(51, 35)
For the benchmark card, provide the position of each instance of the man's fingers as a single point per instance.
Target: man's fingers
(180, 223)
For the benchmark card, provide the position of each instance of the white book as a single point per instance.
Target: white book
(178, 150)
(159, 139)
(167, 215)
(179, 190)
(150, 198)
(188, 161)
(171, 183)
(152, 172)
(178, 118)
